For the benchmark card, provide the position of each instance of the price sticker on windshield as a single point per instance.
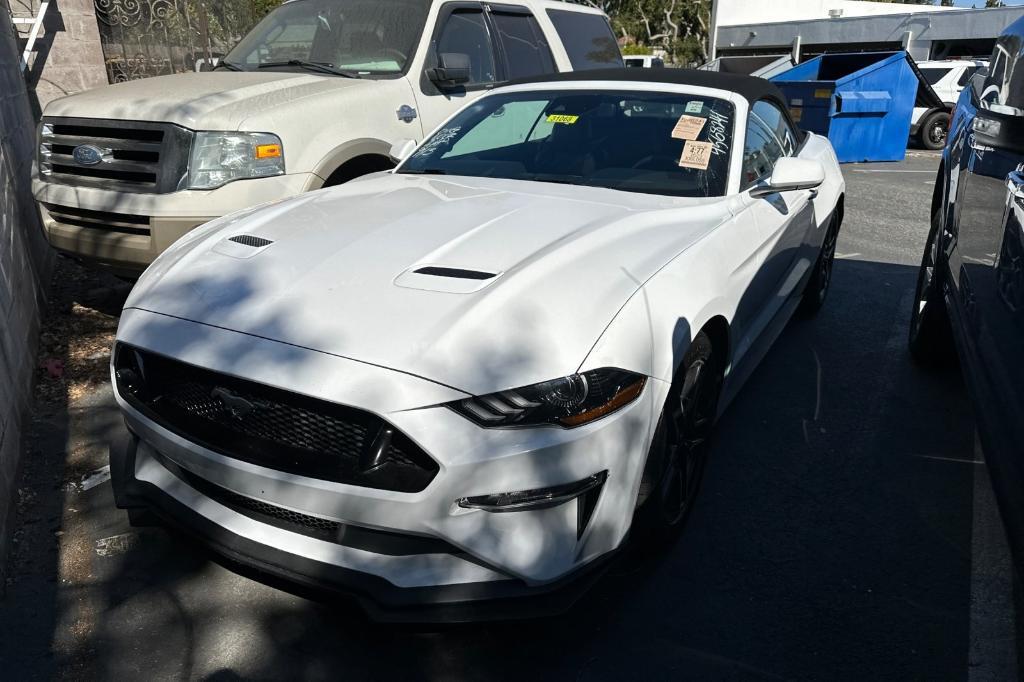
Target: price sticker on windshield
(688, 127)
(696, 155)
(564, 119)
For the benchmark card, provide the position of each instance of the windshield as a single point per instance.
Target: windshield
(365, 37)
(656, 143)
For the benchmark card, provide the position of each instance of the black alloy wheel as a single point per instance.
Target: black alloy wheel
(675, 465)
(931, 337)
(821, 279)
(935, 131)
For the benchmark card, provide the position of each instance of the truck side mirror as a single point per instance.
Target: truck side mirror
(452, 68)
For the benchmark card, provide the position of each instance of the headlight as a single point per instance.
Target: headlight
(568, 402)
(220, 158)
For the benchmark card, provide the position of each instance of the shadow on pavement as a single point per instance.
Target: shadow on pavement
(832, 539)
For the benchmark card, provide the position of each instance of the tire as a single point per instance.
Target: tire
(931, 336)
(935, 130)
(676, 461)
(821, 279)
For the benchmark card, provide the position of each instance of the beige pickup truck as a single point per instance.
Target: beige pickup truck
(315, 95)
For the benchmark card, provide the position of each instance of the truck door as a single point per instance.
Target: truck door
(989, 248)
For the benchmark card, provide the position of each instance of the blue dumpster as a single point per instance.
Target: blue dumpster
(863, 102)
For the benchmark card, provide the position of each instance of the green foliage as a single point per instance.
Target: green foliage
(634, 48)
(679, 27)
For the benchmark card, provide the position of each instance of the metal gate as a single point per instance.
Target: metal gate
(144, 38)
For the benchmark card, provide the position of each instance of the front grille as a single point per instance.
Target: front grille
(107, 221)
(271, 427)
(136, 157)
(368, 539)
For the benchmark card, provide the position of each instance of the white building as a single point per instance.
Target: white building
(812, 27)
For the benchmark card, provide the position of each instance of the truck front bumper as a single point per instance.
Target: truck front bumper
(125, 232)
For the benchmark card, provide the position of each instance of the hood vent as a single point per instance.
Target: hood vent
(456, 273)
(250, 240)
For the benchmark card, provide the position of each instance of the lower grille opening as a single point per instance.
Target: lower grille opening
(357, 537)
(271, 427)
(109, 221)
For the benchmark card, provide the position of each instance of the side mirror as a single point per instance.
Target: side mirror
(452, 68)
(791, 174)
(401, 150)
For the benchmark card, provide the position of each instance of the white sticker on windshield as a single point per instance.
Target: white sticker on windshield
(696, 155)
(694, 107)
(688, 127)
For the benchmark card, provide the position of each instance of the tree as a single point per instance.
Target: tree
(679, 27)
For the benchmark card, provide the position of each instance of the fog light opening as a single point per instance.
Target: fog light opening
(540, 498)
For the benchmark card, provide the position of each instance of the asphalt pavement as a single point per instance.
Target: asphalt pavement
(845, 530)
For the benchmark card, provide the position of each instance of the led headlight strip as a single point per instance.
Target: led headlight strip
(568, 402)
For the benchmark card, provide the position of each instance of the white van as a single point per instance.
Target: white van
(315, 95)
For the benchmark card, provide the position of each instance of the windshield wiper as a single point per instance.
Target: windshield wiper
(319, 67)
(425, 171)
(231, 66)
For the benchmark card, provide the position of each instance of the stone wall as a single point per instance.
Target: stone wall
(25, 263)
(68, 56)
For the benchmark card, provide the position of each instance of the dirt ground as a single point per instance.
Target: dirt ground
(72, 378)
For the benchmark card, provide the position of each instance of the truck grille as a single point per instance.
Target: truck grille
(271, 427)
(138, 157)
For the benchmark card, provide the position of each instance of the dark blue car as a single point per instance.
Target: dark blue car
(970, 294)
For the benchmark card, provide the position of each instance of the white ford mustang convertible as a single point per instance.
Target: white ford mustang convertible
(467, 382)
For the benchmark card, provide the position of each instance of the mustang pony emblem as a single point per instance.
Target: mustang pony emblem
(239, 406)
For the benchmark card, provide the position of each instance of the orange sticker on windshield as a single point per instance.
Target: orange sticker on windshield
(696, 155)
(688, 127)
(563, 118)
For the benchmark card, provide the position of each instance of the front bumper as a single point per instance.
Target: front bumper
(493, 558)
(126, 231)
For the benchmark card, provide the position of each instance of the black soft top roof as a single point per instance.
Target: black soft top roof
(749, 87)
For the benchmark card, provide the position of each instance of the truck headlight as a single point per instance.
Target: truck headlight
(220, 158)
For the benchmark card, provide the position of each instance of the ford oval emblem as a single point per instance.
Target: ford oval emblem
(89, 155)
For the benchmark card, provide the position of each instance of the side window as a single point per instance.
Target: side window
(967, 75)
(760, 152)
(526, 52)
(777, 122)
(588, 39)
(466, 32)
(1003, 91)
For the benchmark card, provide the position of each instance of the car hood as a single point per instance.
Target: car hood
(528, 275)
(216, 100)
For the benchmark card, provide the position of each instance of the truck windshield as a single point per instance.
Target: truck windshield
(357, 36)
(632, 141)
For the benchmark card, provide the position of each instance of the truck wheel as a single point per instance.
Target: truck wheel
(935, 130)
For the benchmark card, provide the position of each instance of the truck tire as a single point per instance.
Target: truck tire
(935, 130)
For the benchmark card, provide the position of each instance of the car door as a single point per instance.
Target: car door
(503, 42)
(784, 221)
(987, 258)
